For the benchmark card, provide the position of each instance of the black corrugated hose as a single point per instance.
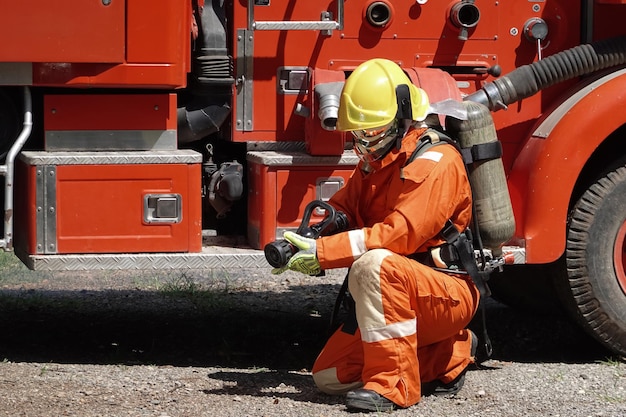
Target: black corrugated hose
(529, 79)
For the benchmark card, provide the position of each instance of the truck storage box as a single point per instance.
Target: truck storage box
(109, 202)
(282, 184)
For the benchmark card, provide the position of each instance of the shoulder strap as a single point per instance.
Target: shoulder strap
(427, 140)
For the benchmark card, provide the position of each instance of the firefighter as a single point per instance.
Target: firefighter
(411, 317)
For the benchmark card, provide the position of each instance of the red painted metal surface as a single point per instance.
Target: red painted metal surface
(128, 75)
(93, 44)
(63, 31)
(110, 112)
(418, 36)
(546, 170)
(99, 209)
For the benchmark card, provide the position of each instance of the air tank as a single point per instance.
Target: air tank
(492, 202)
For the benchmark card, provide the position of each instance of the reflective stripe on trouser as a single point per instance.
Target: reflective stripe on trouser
(391, 291)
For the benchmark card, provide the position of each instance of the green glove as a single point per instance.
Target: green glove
(305, 260)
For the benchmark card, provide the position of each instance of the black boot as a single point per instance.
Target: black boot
(368, 400)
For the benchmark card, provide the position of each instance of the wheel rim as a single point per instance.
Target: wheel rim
(619, 257)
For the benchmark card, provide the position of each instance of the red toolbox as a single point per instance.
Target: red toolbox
(109, 202)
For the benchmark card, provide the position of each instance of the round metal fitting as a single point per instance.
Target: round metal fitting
(378, 14)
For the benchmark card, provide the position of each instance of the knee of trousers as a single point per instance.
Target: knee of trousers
(364, 274)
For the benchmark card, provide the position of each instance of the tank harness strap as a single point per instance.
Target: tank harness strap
(463, 250)
(462, 242)
(482, 152)
(427, 140)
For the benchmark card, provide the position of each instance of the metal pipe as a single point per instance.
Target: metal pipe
(8, 170)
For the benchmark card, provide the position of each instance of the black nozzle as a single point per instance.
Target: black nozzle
(279, 252)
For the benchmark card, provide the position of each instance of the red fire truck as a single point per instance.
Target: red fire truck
(190, 133)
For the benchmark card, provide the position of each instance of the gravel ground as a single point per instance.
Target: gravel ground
(241, 343)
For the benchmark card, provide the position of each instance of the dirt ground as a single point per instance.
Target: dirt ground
(241, 343)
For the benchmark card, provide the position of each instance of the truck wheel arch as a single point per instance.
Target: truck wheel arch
(545, 173)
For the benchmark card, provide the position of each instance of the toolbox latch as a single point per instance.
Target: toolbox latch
(162, 208)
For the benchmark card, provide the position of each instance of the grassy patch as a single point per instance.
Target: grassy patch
(187, 288)
(8, 261)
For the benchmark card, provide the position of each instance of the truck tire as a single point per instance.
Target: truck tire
(594, 288)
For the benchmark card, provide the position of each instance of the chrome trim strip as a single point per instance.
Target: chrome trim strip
(16, 73)
(111, 140)
(182, 156)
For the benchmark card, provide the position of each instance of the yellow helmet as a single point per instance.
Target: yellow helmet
(369, 100)
(375, 100)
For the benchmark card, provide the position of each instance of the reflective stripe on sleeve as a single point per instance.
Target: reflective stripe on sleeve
(357, 242)
(391, 331)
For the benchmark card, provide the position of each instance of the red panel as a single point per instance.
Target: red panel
(110, 112)
(295, 189)
(100, 208)
(318, 140)
(261, 205)
(62, 31)
(158, 33)
(110, 75)
(87, 43)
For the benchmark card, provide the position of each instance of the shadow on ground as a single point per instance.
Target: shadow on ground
(276, 330)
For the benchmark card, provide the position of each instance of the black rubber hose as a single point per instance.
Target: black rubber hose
(529, 79)
(212, 76)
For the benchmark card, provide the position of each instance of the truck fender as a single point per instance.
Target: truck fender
(545, 172)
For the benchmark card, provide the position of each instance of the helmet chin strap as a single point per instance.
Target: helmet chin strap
(403, 127)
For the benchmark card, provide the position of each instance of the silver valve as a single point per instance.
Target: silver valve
(536, 30)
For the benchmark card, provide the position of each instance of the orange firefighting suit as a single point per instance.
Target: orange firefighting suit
(411, 317)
